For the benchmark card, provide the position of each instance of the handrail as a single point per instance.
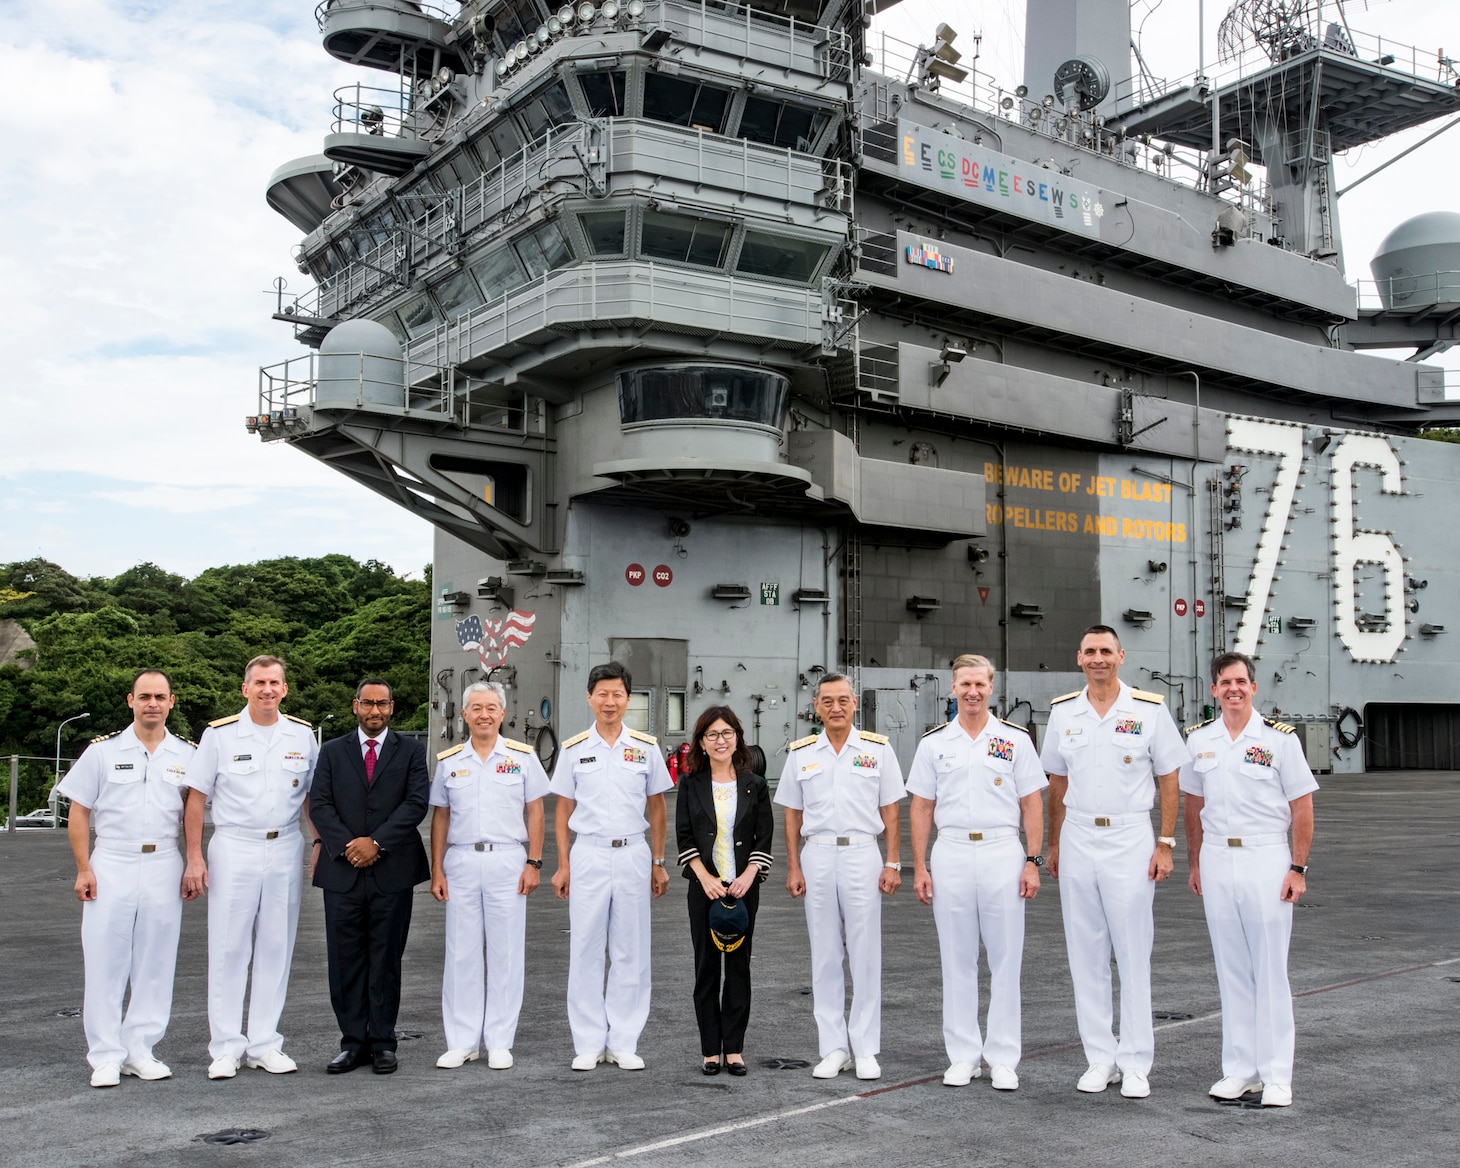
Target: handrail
(325, 7)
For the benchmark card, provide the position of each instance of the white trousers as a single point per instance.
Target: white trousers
(608, 905)
(976, 894)
(1106, 898)
(483, 905)
(129, 935)
(844, 916)
(1250, 928)
(253, 909)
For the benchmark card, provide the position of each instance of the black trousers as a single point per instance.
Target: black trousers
(722, 1016)
(365, 935)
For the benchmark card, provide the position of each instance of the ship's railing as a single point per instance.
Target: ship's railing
(1071, 129)
(289, 389)
(740, 31)
(434, 11)
(369, 109)
(1409, 293)
(1306, 35)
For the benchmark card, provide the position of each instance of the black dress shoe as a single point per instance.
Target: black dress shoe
(346, 1060)
(736, 1069)
(385, 1062)
(711, 1067)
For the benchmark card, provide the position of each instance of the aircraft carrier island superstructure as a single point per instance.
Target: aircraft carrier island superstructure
(739, 343)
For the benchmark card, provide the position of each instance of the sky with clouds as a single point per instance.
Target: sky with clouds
(136, 274)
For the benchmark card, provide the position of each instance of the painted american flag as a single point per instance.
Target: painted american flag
(492, 639)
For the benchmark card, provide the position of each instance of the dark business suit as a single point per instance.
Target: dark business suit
(367, 911)
(722, 1018)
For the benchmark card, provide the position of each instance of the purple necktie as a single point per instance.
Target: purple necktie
(369, 761)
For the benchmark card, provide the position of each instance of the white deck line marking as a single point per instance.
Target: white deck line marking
(709, 1133)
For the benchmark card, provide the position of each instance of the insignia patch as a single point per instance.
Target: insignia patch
(293, 754)
(295, 783)
(1127, 760)
(1260, 755)
(1001, 748)
(1128, 726)
(634, 754)
(177, 770)
(998, 780)
(868, 761)
(509, 767)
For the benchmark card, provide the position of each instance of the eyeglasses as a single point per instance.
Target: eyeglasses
(374, 705)
(718, 735)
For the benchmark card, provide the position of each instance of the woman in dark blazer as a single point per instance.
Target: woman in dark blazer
(725, 828)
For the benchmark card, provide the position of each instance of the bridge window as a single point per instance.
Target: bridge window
(605, 92)
(705, 393)
(419, 317)
(457, 295)
(545, 110)
(779, 123)
(498, 273)
(780, 257)
(543, 250)
(684, 239)
(605, 231)
(684, 102)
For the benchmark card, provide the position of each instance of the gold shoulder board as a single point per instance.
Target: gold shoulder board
(512, 744)
(1065, 697)
(1145, 695)
(104, 737)
(1199, 725)
(1015, 725)
(1284, 727)
(224, 721)
(301, 721)
(800, 742)
(934, 730)
(879, 739)
(577, 738)
(457, 749)
(642, 737)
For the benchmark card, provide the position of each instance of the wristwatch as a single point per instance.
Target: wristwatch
(1168, 840)
(659, 863)
(1300, 869)
(1037, 861)
(895, 865)
(535, 864)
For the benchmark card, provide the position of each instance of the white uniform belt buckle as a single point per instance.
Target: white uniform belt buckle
(485, 847)
(1234, 841)
(1102, 821)
(976, 836)
(843, 841)
(271, 835)
(618, 843)
(147, 849)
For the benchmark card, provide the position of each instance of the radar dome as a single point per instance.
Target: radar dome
(1418, 264)
(360, 364)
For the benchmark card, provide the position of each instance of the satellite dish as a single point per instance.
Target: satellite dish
(1082, 82)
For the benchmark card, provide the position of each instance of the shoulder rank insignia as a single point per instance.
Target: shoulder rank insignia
(800, 742)
(457, 749)
(512, 744)
(879, 739)
(577, 738)
(1065, 697)
(1199, 725)
(934, 730)
(1016, 725)
(228, 721)
(1282, 727)
(301, 721)
(1145, 695)
(104, 737)
(642, 737)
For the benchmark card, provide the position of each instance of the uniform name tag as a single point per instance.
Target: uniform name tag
(1207, 754)
(1258, 755)
(243, 758)
(1128, 726)
(122, 766)
(634, 754)
(811, 768)
(508, 768)
(459, 774)
(1073, 731)
(1001, 748)
(585, 761)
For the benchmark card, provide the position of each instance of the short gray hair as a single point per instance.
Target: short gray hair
(484, 687)
(831, 679)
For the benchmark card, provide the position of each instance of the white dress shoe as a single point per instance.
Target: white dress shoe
(225, 1066)
(1276, 1095)
(499, 1060)
(147, 1068)
(1234, 1087)
(960, 1074)
(627, 1060)
(867, 1068)
(1097, 1078)
(456, 1058)
(276, 1062)
(1134, 1085)
(832, 1065)
(1004, 1079)
(106, 1075)
(586, 1062)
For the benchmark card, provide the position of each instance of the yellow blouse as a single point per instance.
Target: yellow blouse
(724, 851)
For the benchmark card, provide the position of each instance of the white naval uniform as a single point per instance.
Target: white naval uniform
(609, 890)
(485, 854)
(977, 783)
(257, 779)
(129, 932)
(840, 795)
(1247, 785)
(1105, 850)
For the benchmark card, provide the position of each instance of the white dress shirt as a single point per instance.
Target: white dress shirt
(840, 792)
(486, 797)
(132, 795)
(979, 779)
(609, 784)
(1247, 782)
(1111, 761)
(256, 777)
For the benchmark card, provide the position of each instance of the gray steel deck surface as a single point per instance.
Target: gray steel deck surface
(1375, 955)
